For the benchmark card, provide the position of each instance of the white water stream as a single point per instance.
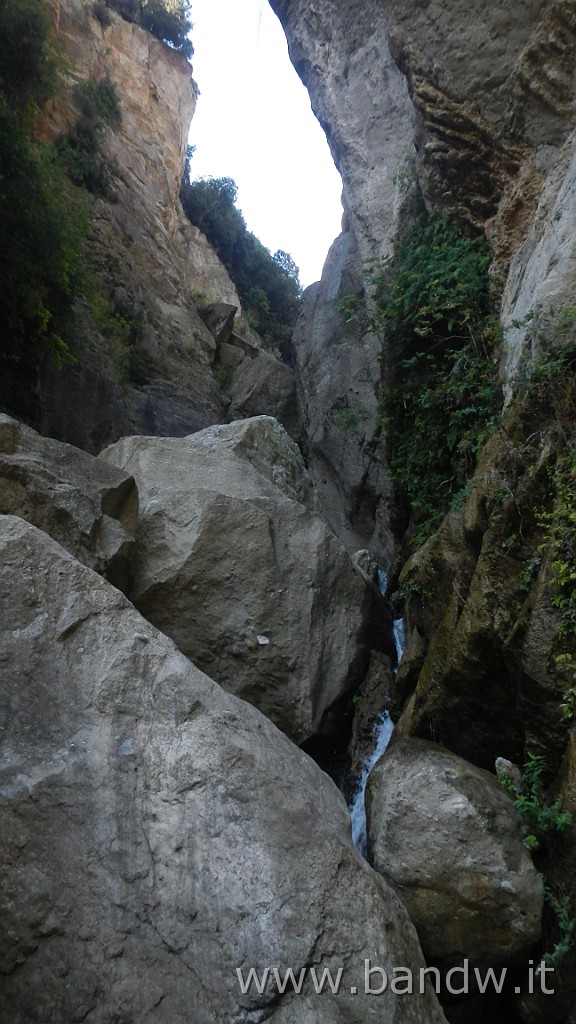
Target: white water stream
(382, 734)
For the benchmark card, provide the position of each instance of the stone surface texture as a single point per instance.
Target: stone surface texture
(158, 833)
(247, 581)
(338, 375)
(149, 260)
(447, 835)
(87, 506)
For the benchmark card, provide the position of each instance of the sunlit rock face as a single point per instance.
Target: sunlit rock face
(158, 833)
(148, 259)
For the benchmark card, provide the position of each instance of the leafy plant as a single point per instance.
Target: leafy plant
(565, 923)
(28, 58)
(350, 415)
(442, 395)
(540, 817)
(547, 380)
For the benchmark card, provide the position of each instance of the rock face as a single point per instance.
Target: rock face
(88, 507)
(446, 834)
(240, 573)
(541, 274)
(361, 98)
(264, 386)
(158, 834)
(338, 375)
(486, 679)
(483, 96)
(151, 265)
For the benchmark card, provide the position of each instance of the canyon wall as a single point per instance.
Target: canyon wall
(472, 107)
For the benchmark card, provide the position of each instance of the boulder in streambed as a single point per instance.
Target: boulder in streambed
(446, 833)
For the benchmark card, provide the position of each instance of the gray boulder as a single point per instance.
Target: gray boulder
(157, 834)
(244, 578)
(447, 835)
(89, 507)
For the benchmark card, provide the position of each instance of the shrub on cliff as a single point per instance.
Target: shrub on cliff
(442, 393)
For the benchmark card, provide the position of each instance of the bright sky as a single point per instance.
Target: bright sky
(253, 123)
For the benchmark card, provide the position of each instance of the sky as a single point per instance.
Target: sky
(254, 123)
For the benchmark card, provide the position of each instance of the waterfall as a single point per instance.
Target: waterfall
(382, 733)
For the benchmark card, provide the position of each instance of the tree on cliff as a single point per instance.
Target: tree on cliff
(168, 20)
(268, 285)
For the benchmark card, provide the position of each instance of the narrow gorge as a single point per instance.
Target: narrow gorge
(213, 528)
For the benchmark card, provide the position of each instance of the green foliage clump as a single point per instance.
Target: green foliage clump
(268, 285)
(560, 545)
(41, 239)
(350, 415)
(565, 925)
(540, 816)
(80, 149)
(168, 20)
(442, 395)
(28, 61)
(122, 327)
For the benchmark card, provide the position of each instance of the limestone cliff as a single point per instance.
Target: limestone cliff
(150, 266)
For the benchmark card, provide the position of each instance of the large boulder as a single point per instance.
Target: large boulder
(246, 580)
(447, 835)
(87, 506)
(157, 834)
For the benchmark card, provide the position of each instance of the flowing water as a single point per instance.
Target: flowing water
(382, 733)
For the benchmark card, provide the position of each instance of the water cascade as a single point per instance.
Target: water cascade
(383, 728)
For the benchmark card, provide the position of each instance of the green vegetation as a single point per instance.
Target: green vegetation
(28, 59)
(442, 395)
(565, 924)
(350, 415)
(168, 20)
(540, 816)
(268, 285)
(80, 149)
(546, 384)
(45, 211)
(40, 222)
